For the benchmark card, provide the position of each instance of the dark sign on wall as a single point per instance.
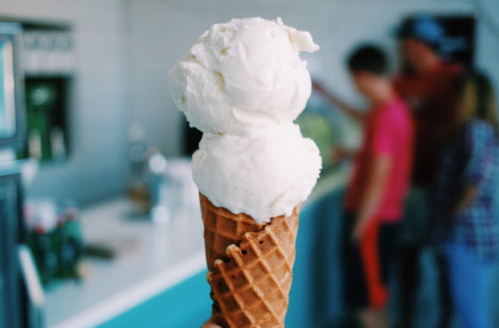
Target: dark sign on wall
(459, 42)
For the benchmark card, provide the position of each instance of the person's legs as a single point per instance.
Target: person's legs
(446, 309)
(388, 237)
(364, 293)
(352, 273)
(409, 283)
(377, 248)
(414, 235)
(371, 255)
(354, 282)
(471, 283)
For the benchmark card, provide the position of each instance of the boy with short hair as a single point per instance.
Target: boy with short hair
(376, 192)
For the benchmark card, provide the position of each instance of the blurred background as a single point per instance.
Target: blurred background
(99, 217)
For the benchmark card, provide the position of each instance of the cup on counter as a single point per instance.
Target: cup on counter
(172, 190)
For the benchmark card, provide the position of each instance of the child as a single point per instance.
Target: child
(376, 192)
(464, 189)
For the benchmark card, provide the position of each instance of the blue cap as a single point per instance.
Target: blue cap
(424, 28)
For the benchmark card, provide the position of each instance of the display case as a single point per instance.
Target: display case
(10, 304)
(48, 61)
(21, 294)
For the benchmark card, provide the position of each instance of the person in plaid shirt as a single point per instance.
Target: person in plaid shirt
(465, 227)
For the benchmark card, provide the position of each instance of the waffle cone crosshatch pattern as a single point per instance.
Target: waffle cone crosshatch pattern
(250, 266)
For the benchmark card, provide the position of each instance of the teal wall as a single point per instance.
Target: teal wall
(315, 294)
(187, 305)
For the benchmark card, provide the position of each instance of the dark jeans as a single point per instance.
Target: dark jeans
(366, 263)
(410, 281)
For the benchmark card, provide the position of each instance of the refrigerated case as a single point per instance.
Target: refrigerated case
(21, 294)
(10, 302)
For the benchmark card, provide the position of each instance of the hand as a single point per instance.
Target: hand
(208, 324)
(339, 154)
(451, 213)
(359, 229)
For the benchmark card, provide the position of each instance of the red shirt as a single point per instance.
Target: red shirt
(432, 100)
(388, 131)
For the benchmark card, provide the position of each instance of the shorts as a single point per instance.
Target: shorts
(367, 263)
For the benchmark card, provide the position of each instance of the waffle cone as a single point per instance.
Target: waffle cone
(249, 266)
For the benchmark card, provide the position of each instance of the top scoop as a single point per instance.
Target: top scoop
(243, 74)
(243, 84)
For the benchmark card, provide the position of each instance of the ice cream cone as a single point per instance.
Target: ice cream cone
(250, 266)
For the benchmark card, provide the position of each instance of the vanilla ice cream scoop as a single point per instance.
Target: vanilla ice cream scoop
(244, 74)
(263, 174)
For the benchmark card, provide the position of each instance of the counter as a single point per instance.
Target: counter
(167, 262)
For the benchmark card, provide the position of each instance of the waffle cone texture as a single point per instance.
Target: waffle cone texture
(249, 266)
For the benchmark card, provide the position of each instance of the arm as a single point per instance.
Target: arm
(338, 154)
(350, 111)
(376, 181)
(478, 154)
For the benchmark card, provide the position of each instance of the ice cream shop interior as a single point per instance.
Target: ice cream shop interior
(244, 164)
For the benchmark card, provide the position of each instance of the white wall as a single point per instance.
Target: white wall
(126, 48)
(98, 117)
(162, 31)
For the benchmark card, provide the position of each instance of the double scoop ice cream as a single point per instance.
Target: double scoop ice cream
(243, 84)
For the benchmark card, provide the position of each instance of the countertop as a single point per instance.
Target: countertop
(162, 256)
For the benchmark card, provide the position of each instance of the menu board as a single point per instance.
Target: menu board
(459, 41)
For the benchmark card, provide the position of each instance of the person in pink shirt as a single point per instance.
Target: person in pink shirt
(375, 194)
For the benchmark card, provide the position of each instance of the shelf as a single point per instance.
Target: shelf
(29, 75)
(30, 24)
